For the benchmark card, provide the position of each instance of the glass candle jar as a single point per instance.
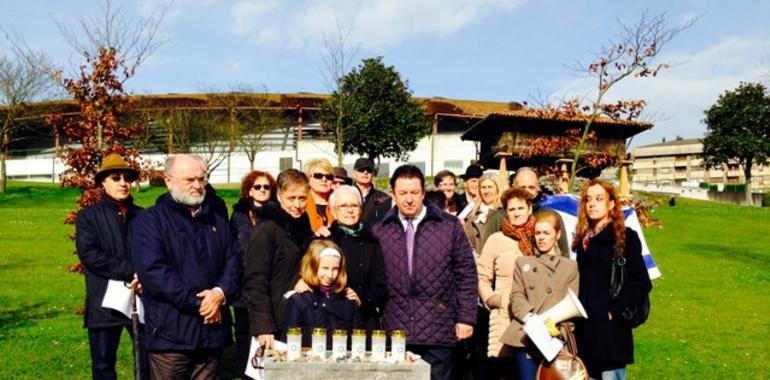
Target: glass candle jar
(339, 344)
(398, 345)
(294, 343)
(378, 345)
(358, 344)
(319, 343)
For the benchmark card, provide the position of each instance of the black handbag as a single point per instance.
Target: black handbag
(635, 314)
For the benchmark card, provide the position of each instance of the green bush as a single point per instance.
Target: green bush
(713, 187)
(704, 185)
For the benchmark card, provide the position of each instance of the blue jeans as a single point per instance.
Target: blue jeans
(104, 349)
(526, 368)
(613, 374)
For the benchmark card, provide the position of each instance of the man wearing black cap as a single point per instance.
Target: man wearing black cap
(471, 185)
(376, 203)
(101, 240)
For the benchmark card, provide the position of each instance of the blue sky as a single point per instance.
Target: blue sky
(500, 50)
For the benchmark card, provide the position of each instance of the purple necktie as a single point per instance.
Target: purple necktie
(409, 244)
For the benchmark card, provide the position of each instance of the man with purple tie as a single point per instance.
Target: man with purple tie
(432, 282)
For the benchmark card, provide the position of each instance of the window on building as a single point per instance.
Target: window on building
(419, 164)
(455, 166)
(384, 170)
(285, 163)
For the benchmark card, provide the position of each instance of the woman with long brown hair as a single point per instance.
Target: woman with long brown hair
(605, 342)
(257, 192)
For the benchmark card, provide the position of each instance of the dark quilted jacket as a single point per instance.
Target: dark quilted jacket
(442, 289)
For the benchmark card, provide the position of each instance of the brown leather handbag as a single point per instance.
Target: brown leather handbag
(566, 365)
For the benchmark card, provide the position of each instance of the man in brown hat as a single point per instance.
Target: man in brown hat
(101, 231)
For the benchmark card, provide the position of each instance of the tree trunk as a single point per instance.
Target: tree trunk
(3, 174)
(747, 175)
(3, 158)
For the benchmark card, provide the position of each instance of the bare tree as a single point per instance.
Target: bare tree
(337, 58)
(20, 83)
(134, 38)
(631, 54)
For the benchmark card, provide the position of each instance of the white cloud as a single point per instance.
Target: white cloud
(374, 23)
(681, 93)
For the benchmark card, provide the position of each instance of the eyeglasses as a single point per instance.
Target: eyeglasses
(348, 206)
(260, 186)
(365, 170)
(259, 358)
(320, 176)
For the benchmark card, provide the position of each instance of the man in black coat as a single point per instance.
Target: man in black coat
(376, 202)
(101, 231)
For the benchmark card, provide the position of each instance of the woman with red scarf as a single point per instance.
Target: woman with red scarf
(495, 268)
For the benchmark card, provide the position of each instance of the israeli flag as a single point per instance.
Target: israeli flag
(567, 207)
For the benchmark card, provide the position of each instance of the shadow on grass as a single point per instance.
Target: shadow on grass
(23, 317)
(732, 253)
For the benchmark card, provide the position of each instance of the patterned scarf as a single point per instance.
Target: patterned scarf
(352, 232)
(523, 234)
(594, 231)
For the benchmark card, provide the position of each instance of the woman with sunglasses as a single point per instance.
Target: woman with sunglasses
(257, 191)
(321, 175)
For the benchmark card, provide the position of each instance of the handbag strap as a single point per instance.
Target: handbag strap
(569, 338)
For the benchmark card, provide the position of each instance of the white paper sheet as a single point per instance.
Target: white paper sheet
(118, 297)
(539, 335)
(259, 373)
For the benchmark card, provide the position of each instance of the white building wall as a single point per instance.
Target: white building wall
(433, 154)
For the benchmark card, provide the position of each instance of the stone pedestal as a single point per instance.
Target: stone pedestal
(330, 370)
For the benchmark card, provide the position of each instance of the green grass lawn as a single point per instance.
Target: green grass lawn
(710, 310)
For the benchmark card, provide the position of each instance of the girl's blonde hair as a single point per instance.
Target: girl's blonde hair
(312, 259)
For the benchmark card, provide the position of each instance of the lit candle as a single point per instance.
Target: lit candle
(378, 345)
(398, 345)
(339, 344)
(358, 348)
(319, 343)
(294, 341)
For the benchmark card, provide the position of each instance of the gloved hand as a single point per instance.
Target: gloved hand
(552, 327)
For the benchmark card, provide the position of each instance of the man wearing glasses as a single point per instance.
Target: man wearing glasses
(101, 231)
(376, 202)
(188, 262)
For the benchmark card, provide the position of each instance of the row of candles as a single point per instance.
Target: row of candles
(340, 344)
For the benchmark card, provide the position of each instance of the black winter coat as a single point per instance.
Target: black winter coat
(102, 245)
(272, 268)
(376, 204)
(605, 344)
(243, 221)
(313, 309)
(366, 271)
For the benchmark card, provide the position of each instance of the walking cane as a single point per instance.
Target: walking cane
(137, 336)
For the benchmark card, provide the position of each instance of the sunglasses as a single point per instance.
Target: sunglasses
(259, 187)
(365, 170)
(118, 176)
(259, 358)
(320, 176)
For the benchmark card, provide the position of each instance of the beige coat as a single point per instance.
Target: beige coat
(474, 228)
(495, 267)
(538, 284)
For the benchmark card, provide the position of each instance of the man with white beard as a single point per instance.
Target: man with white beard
(188, 263)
